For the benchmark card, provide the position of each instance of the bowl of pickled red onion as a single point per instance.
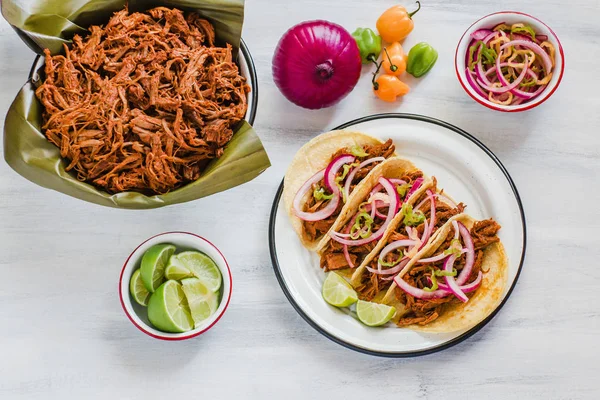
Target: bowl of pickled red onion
(509, 61)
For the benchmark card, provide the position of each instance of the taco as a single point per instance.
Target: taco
(391, 187)
(419, 220)
(455, 281)
(322, 177)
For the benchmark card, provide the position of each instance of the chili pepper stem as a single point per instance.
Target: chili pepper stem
(416, 11)
(373, 58)
(393, 67)
(375, 84)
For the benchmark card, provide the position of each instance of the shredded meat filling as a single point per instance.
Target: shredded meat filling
(144, 102)
(315, 229)
(332, 257)
(484, 233)
(424, 311)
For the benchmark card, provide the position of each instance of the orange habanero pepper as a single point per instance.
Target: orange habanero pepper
(394, 59)
(389, 87)
(396, 23)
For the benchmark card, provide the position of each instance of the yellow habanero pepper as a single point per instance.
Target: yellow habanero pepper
(396, 23)
(389, 87)
(394, 59)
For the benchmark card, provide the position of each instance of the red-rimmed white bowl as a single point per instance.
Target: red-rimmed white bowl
(183, 241)
(509, 17)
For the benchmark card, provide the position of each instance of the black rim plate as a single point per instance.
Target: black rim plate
(450, 343)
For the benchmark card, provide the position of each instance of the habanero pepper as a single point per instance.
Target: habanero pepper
(389, 87)
(394, 59)
(396, 23)
(369, 44)
(421, 58)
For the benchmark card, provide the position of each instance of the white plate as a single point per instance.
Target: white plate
(466, 169)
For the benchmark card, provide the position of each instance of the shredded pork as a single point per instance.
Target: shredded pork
(313, 230)
(424, 311)
(143, 103)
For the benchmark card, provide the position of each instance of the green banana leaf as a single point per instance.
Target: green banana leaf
(49, 24)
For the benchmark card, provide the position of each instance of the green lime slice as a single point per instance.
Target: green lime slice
(203, 302)
(154, 262)
(202, 267)
(138, 290)
(168, 309)
(176, 270)
(374, 314)
(338, 292)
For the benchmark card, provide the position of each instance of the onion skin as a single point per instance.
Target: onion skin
(316, 64)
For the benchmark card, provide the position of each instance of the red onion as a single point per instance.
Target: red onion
(468, 288)
(378, 213)
(346, 253)
(489, 37)
(523, 95)
(419, 293)
(473, 84)
(397, 181)
(488, 87)
(481, 34)
(318, 215)
(316, 64)
(429, 228)
(509, 87)
(355, 170)
(391, 271)
(393, 210)
(441, 256)
(518, 92)
(433, 259)
(328, 175)
(517, 36)
(378, 187)
(451, 282)
(468, 241)
(391, 247)
(333, 168)
(374, 208)
(533, 47)
(416, 185)
(439, 197)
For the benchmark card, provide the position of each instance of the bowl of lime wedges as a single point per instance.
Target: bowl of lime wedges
(175, 286)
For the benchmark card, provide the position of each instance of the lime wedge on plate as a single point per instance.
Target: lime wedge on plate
(338, 292)
(154, 262)
(176, 270)
(374, 314)
(202, 267)
(203, 302)
(138, 290)
(168, 308)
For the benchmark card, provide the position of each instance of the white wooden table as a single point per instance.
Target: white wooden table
(63, 334)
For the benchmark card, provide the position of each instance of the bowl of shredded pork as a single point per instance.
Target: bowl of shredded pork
(144, 102)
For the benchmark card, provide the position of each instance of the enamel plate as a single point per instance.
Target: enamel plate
(465, 169)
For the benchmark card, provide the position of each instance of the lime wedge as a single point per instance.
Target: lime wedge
(374, 314)
(153, 266)
(176, 270)
(338, 292)
(202, 267)
(203, 302)
(138, 290)
(168, 308)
